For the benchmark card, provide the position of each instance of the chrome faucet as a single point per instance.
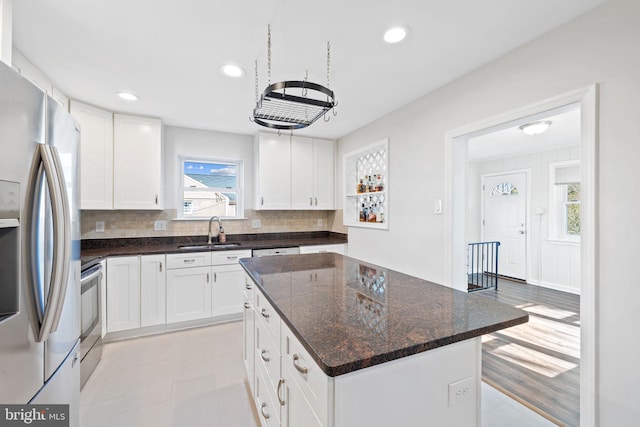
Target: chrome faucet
(219, 228)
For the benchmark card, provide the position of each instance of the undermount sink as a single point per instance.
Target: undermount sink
(211, 246)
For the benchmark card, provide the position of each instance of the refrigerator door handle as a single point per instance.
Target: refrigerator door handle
(48, 312)
(64, 222)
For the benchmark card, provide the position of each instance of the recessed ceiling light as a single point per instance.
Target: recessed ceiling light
(395, 34)
(535, 128)
(232, 70)
(128, 96)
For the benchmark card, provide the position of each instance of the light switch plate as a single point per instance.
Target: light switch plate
(160, 225)
(437, 206)
(255, 223)
(99, 226)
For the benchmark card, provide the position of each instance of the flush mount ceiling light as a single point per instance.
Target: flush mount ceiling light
(128, 96)
(395, 34)
(292, 104)
(535, 128)
(232, 70)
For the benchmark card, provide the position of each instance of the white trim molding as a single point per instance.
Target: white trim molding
(454, 210)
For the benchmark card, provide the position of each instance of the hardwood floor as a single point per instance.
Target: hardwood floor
(537, 363)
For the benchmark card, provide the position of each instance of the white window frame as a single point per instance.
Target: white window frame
(558, 206)
(239, 190)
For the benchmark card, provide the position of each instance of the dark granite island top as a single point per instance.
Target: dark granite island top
(350, 315)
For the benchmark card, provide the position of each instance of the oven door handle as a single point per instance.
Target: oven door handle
(88, 276)
(91, 274)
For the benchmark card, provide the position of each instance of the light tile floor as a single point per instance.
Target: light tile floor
(196, 378)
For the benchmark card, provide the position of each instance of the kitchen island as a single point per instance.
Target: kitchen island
(361, 345)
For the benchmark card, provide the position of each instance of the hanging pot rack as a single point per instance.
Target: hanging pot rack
(292, 104)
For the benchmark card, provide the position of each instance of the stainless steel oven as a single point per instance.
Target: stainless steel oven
(91, 332)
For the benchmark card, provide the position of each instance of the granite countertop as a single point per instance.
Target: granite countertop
(92, 250)
(349, 314)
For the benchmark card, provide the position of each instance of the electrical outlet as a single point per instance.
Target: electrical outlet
(461, 391)
(319, 222)
(160, 225)
(99, 226)
(256, 223)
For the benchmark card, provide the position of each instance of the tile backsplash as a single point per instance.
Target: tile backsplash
(119, 224)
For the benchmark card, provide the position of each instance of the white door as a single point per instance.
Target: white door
(505, 209)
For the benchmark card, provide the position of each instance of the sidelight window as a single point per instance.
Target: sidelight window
(566, 201)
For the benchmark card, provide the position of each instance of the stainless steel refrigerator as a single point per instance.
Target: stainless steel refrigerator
(39, 248)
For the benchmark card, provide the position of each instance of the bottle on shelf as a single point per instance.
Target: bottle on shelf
(361, 188)
(380, 216)
(372, 213)
(371, 186)
(363, 214)
(379, 183)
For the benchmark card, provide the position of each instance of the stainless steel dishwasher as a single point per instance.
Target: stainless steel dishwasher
(276, 251)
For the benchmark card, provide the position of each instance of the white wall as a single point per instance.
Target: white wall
(204, 143)
(6, 31)
(560, 268)
(598, 47)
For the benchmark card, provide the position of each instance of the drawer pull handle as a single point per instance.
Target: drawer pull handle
(264, 357)
(280, 382)
(264, 414)
(301, 369)
(232, 257)
(247, 305)
(264, 313)
(190, 260)
(248, 286)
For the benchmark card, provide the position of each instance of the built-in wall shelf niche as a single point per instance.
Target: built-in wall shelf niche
(366, 186)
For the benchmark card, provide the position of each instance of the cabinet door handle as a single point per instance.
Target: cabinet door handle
(316, 199)
(262, 411)
(156, 199)
(261, 201)
(215, 277)
(207, 277)
(301, 369)
(264, 357)
(280, 383)
(264, 313)
(310, 201)
(160, 267)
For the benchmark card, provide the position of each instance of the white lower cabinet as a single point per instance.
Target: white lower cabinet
(188, 294)
(289, 389)
(249, 332)
(297, 410)
(152, 290)
(135, 292)
(228, 282)
(205, 284)
(123, 293)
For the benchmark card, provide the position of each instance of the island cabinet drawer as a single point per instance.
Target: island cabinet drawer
(228, 257)
(268, 316)
(268, 354)
(298, 366)
(266, 400)
(193, 259)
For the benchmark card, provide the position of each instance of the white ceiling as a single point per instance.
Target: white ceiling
(169, 52)
(508, 140)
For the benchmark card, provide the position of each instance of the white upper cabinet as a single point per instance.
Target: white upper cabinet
(323, 174)
(137, 159)
(272, 156)
(96, 156)
(294, 173)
